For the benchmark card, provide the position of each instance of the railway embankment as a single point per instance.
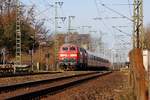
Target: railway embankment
(113, 86)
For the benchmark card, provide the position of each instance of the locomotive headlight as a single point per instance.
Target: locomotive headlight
(63, 55)
(73, 55)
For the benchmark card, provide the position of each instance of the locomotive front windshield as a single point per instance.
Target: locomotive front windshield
(72, 48)
(65, 48)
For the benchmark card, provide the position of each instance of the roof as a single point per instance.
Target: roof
(68, 44)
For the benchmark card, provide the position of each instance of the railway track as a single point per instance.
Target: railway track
(36, 89)
(5, 75)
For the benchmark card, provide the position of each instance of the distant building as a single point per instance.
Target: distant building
(82, 40)
(85, 41)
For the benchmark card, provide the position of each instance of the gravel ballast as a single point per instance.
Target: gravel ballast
(109, 87)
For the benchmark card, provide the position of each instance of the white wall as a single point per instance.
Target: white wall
(146, 59)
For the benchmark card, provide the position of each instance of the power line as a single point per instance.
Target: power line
(121, 31)
(130, 8)
(43, 11)
(39, 13)
(118, 4)
(116, 12)
(100, 15)
(101, 18)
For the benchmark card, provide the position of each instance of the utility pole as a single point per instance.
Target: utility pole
(4, 56)
(69, 28)
(56, 42)
(83, 27)
(69, 23)
(138, 24)
(137, 72)
(18, 34)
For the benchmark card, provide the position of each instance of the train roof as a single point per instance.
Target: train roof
(68, 45)
(96, 55)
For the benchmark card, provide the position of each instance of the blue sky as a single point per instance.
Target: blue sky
(84, 12)
(146, 12)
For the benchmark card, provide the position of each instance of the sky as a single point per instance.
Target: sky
(85, 12)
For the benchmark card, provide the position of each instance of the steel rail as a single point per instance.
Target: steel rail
(39, 88)
(12, 87)
(7, 75)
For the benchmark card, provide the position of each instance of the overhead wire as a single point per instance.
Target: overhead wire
(104, 5)
(116, 12)
(130, 8)
(98, 11)
(43, 12)
(118, 4)
(39, 13)
(103, 22)
(110, 18)
(63, 18)
(122, 31)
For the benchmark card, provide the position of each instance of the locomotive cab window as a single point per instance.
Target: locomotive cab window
(72, 48)
(65, 48)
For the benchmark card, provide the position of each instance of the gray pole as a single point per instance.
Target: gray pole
(69, 28)
(56, 42)
(18, 35)
(138, 24)
(3, 53)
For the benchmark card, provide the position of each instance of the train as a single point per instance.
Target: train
(73, 57)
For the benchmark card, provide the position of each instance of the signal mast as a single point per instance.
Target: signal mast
(18, 35)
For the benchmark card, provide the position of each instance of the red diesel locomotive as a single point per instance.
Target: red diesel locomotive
(72, 57)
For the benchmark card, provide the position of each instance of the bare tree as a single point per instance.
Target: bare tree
(146, 38)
